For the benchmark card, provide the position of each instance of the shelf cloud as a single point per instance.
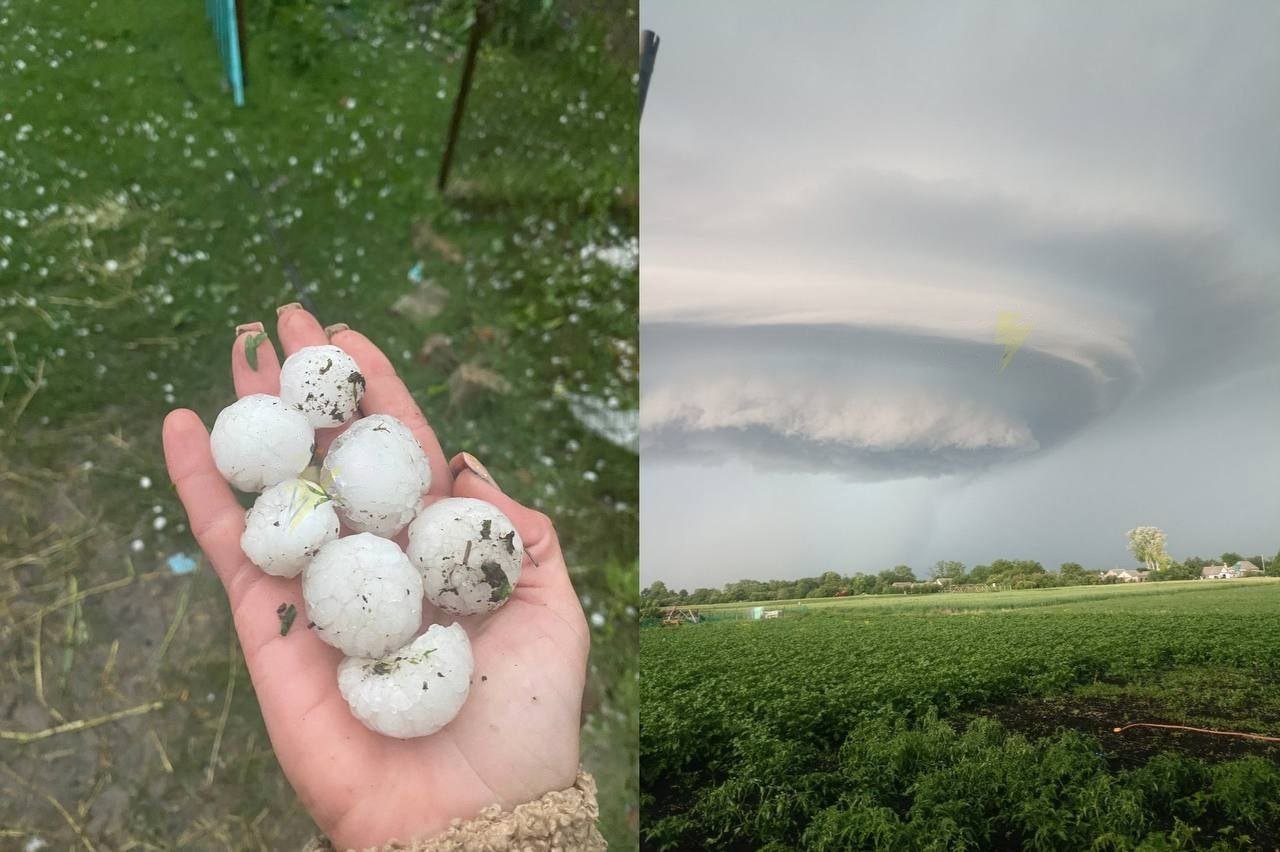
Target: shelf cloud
(847, 214)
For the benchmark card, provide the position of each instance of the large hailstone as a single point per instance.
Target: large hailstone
(287, 526)
(415, 691)
(258, 441)
(377, 473)
(324, 383)
(469, 554)
(362, 595)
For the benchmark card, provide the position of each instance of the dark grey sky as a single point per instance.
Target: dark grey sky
(840, 200)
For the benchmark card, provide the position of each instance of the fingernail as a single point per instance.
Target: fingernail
(469, 462)
(331, 330)
(292, 306)
(255, 327)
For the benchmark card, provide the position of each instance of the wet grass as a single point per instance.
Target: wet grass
(142, 217)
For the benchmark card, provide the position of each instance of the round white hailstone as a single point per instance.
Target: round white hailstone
(377, 474)
(324, 383)
(415, 691)
(258, 441)
(363, 595)
(287, 526)
(469, 554)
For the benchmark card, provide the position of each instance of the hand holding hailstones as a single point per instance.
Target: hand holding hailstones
(363, 594)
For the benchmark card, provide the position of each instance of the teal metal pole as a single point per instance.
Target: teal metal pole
(236, 69)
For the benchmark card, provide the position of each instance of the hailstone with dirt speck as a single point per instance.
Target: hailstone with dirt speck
(377, 473)
(363, 595)
(287, 526)
(324, 383)
(258, 441)
(416, 690)
(469, 554)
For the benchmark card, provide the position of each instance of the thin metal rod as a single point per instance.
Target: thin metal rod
(648, 56)
(241, 34)
(478, 28)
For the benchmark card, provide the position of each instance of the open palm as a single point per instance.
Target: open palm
(515, 739)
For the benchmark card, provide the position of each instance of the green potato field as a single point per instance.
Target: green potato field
(982, 721)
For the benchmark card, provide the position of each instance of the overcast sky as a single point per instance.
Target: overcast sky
(841, 202)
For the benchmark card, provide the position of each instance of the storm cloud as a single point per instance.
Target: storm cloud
(859, 402)
(841, 205)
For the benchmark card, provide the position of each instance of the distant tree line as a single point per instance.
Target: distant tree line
(1004, 573)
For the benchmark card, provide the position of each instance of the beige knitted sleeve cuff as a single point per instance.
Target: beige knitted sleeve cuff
(560, 821)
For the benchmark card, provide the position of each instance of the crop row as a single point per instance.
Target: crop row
(752, 732)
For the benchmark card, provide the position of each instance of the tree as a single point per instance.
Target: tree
(1147, 546)
(947, 569)
(657, 594)
(746, 590)
(803, 587)
(862, 584)
(1020, 573)
(1177, 571)
(1230, 558)
(903, 574)
(704, 596)
(1073, 574)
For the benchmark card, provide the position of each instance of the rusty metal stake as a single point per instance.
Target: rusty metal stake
(483, 19)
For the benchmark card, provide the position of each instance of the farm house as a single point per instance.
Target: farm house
(1243, 568)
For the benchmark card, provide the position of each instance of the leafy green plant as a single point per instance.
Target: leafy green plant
(869, 726)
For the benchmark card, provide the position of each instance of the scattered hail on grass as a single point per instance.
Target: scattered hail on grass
(469, 554)
(376, 473)
(363, 595)
(414, 691)
(258, 441)
(322, 382)
(287, 526)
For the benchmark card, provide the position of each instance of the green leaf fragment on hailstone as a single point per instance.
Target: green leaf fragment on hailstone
(287, 615)
(251, 344)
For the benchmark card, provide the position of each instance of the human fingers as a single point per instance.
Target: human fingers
(261, 376)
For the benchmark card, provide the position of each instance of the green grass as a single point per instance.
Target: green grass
(144, 216)
(969, 721)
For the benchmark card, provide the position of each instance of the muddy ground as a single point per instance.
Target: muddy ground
(1099, 716)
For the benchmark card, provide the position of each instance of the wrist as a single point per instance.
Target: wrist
(562, 820)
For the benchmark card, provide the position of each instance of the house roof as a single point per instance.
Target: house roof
(1246, 565)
